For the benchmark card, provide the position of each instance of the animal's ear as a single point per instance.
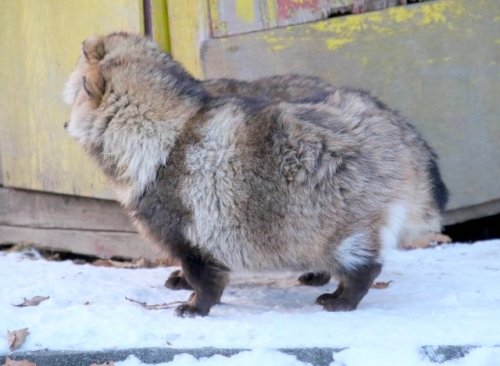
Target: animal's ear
(93, 49)
(94, 83)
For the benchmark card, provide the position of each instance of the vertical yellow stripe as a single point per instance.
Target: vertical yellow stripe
(160, 23)
(188, 21)
(272, 18)
(245, 10)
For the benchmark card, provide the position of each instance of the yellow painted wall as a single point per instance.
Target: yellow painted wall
(161, 33)
(188, 26)
(40, 43)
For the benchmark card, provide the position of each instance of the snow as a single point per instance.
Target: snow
(447, 295)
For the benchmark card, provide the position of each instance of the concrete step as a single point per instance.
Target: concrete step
(316, 356)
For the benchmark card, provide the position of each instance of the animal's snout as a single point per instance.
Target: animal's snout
(66, 125)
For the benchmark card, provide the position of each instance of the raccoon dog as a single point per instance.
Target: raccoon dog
(317, 182)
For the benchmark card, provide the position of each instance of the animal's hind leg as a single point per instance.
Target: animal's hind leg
(357, 266)
(426, 240)
(319, 278)
(353, 286)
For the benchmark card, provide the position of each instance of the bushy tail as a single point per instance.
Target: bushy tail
(439, 190)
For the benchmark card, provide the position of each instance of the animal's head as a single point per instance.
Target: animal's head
(107, 64)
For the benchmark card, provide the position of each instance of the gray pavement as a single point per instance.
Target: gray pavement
(315, 356)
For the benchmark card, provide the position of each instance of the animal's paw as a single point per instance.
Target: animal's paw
(189, 311)
(333, 302)
(176, 281)
(314, 278)
(427, 241)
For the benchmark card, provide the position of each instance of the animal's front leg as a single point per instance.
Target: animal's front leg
(318, 278)
(207, 277)
(177, 281)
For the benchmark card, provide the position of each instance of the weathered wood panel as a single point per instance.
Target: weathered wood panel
(40, 45)
(43, 210)
(102, 244)
(436, 62)
(80, 225)
(472, 212)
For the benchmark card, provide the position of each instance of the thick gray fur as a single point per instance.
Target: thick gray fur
(317, 181)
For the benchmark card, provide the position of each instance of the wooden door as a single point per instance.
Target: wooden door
(40, 43)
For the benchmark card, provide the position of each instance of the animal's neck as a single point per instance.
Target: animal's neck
(133, 151)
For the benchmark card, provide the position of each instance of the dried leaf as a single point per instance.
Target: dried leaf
(138, 263)
(34, 301)
(381, 285)
(132, 264)
(16, 338)
(9, 362)
(109, 363)
(102, 263)
(156, 306)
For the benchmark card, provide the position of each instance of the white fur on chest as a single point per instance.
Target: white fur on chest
(138, 150)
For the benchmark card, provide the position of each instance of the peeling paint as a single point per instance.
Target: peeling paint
(344, 30)
(278, 47)
(287, 8)
(401, 14)
(341, 26)
(277, 43)
(434, 14)
(335, 43)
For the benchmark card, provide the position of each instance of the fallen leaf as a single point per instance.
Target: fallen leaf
(16, 338)
(381, 285)
(109, 363)
(135, 263)
(9, 362)
(138, 263)
(165, 305)
(34, 301)
(102, 263)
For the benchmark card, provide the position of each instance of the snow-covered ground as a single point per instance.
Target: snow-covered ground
(447, 295)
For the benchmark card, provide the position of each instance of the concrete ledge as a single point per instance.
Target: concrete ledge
(315, 356)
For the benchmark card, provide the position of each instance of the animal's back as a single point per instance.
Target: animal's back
(280, 186)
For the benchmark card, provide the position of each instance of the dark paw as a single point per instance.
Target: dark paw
(334, 302)
(339, 304)
(189, 311)
(323, 299)
(314, 278)
(176, 281)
